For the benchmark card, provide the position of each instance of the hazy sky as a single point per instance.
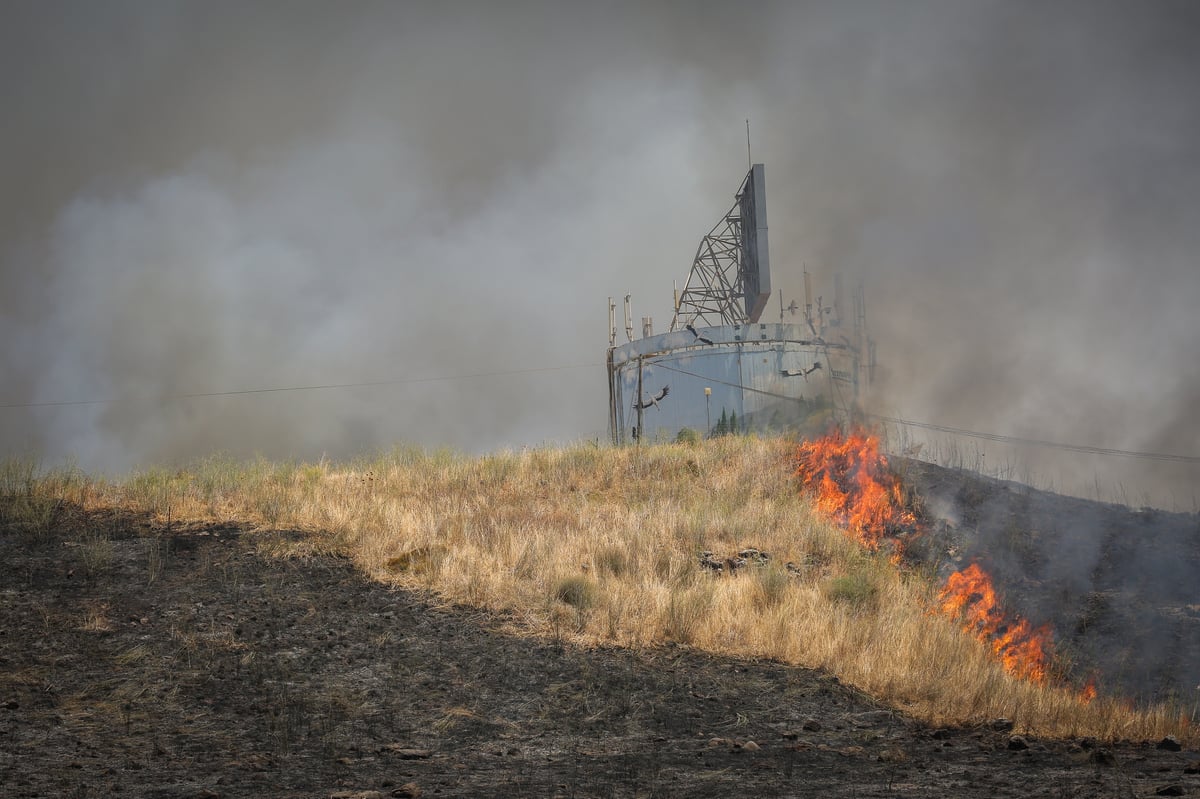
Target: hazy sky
(208, 196)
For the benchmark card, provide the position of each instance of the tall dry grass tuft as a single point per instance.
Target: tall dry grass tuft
(603, 545)
(32, 500)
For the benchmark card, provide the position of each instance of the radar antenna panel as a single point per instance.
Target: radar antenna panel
(730, 281)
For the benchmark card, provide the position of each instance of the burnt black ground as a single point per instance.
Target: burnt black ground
(1119, 586)
(136, 662)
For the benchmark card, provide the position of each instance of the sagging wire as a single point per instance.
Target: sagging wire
(1037, 442)
(282, 389)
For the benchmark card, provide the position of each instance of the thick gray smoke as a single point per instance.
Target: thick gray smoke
(202, 197)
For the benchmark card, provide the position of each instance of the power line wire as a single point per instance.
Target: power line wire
(281, 389)
(1036, 442)
(1081, 448)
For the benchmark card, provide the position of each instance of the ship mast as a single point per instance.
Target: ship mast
(730, 281)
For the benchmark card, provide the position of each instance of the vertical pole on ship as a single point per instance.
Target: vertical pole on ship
(613, 416)
(749, 160)
(638, 402)
(614, 432)
(708, 410)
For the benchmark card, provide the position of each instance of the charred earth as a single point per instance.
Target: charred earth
(188, 663)
(1119, 587)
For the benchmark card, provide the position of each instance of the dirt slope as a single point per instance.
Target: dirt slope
(191, 665)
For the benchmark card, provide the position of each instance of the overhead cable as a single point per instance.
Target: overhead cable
(280, 389)
(1085, 449)
(1035, 442)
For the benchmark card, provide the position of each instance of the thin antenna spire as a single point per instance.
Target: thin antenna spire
(749, 162)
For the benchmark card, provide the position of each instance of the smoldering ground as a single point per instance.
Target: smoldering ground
(210, 197)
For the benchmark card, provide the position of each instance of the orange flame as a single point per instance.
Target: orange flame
(850, 482)
(1023, 650)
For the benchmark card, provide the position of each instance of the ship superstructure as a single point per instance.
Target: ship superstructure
(721, 368)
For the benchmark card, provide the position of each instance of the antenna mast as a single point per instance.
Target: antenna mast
(749, 162)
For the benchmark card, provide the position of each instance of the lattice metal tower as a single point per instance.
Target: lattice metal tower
(730, 281)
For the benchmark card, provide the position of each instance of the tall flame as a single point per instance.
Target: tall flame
(851, 483)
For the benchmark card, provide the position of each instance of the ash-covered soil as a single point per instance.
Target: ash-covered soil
(1119, 586)
(138, 662)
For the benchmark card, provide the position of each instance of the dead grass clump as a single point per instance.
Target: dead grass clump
(95, 617)
(455, 717)
(686, 612)
(578, 592)
(773, 584)
(613, 561)
(419, 560)
(95, 551)
(31, 501)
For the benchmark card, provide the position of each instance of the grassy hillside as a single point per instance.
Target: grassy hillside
(596, 545)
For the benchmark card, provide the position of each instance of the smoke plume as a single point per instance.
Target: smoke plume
(212, 197)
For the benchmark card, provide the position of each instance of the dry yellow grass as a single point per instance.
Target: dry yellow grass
(600, 545)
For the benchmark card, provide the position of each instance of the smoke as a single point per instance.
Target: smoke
(1017, 185)
(209, 197)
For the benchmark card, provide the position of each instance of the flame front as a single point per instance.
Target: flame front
(850, 482)
(1023, 650)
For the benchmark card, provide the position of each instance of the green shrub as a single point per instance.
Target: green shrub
(856, 588)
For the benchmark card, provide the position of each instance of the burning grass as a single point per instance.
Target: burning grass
(849, 481)
(1024, 651)
(599, 545)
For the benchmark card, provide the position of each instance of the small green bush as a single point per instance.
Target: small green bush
(856, 589)
(687, 435)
